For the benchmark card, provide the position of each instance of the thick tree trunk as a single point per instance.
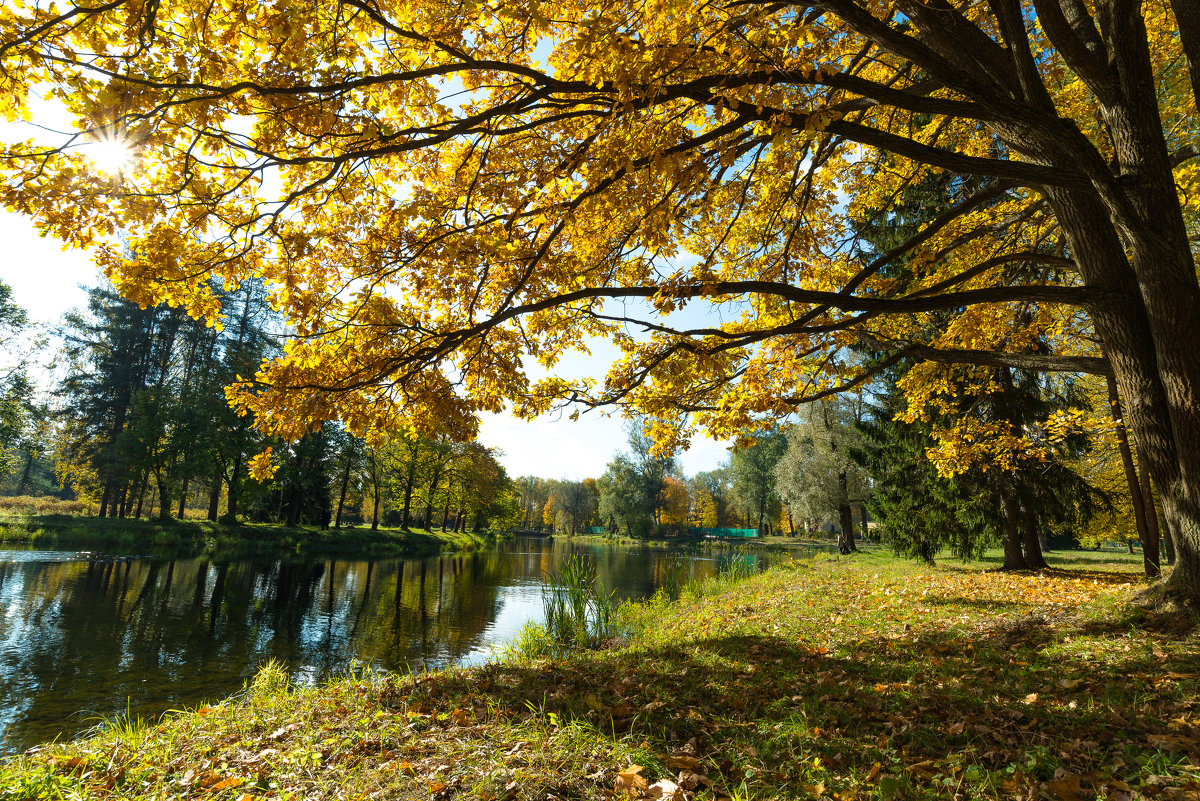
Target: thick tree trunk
(183, 491)
(1030, 542)
(1013, 558)
(375, 511)
(1123, 324)
(1126, 233)
(1149, 542)
(846, 522)
(214, 498)
(1146, 207)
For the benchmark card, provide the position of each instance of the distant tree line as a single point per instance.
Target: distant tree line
(139, 426)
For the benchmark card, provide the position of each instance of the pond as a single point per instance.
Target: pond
(87, 636)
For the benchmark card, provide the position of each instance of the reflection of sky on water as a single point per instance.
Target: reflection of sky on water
(519, 604)
(83, 635)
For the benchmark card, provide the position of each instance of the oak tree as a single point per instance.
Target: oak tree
(439, 190)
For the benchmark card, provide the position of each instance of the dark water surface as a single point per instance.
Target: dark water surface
(84, 636)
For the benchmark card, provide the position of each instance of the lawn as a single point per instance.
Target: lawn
(843, 678)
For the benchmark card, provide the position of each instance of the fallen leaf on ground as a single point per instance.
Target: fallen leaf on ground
(691, 780)
(630, 782)
(1065, 787)
(665, 789)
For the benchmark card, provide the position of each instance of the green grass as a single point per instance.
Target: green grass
(201, 536)
(849, 678)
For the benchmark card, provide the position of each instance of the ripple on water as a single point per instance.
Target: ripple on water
(21, 557)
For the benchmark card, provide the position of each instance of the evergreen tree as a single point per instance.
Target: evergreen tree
(144, 397)
(919, 511)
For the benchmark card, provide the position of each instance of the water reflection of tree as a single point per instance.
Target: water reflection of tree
(88, 635)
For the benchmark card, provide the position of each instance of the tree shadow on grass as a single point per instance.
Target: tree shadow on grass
(998, 607)
(1014, 705)
(1134, 561)
(1106, 577)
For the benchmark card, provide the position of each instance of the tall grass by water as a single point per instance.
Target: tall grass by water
(578, 606)
(582, 613)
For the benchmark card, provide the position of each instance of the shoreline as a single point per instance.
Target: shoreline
(772, 543)
(203, 537)
(848, 678)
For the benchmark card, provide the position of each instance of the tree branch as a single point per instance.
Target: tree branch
(1091, 365)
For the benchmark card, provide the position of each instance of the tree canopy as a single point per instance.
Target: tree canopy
(440, 191)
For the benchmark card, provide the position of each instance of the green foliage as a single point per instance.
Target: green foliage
(532, 642)
(753, 468)
(16, 392)
(817, 475)
(144, 410)
(920, 512)
(623, 504)
(632, 489)
(578, 607)
(272, 678)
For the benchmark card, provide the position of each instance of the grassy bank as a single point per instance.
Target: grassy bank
(845, 678)
(202, 536)
(773, 543)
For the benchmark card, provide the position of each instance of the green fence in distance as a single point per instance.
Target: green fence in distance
(740, 533)
(734, 533)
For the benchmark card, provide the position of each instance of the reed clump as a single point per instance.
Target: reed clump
(579, 607)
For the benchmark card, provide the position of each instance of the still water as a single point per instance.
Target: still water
(86, 635)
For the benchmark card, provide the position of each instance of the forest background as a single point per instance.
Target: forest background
(137, 425)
